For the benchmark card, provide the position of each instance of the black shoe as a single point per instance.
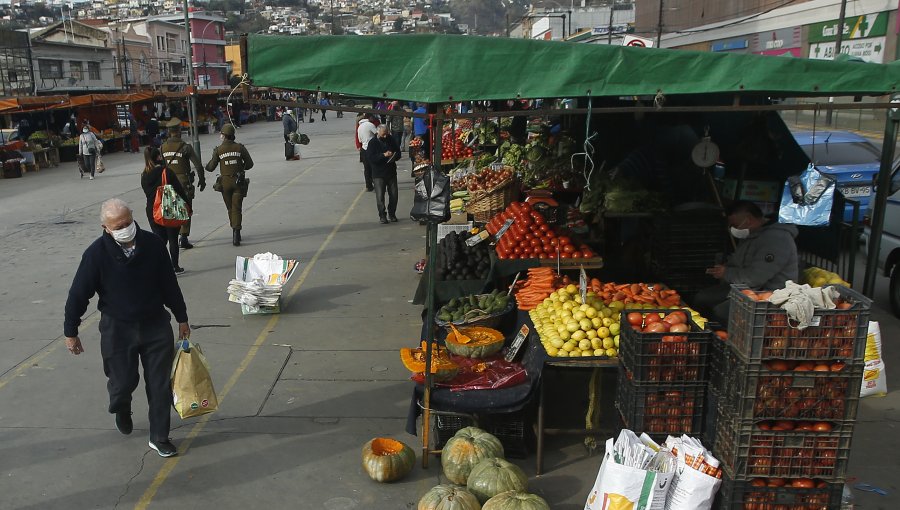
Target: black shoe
(392, 218)
(179, 270)
(164, 448)
(236, 238)
(123, 422)
(82, 174)
(384, 220)
(185, 243)
(370, 189)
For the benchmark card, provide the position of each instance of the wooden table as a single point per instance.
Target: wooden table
(551, 364)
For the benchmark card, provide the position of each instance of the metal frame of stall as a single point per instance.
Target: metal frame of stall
(436, 119)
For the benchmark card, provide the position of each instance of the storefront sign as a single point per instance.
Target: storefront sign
(776, 41)
(794, 52)
(730, 45)
(855, 27)
(870, 50)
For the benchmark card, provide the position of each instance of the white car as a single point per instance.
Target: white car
(889, 250)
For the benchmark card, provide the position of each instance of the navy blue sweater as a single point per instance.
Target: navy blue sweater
(130, 289)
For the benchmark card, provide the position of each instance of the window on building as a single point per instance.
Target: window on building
(76, 70)
(13, 76)
(93, 70)
(51, 69)
(160, 43)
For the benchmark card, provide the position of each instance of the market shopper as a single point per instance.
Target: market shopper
(420, 129)
(178, 156)
(365, 131)
(395, 124)
(129, 270)
(289, 124)
(151, 179)
(382, 153)
(765, 258)
(89, 147)
(233, 160)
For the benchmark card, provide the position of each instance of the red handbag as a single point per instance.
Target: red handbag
(164, 217)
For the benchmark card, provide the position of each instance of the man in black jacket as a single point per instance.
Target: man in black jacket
(382, 153)
(130, 271)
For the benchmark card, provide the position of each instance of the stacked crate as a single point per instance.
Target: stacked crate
(662, 379)
(787, 403)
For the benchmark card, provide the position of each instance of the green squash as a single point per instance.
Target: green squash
(516, 500)
(468, 447)
(448, 497)
(493, 476)
(386, 460)
(484, 342)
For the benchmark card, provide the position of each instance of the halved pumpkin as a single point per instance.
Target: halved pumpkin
(485, 341)
(441, 366)
(386, 460)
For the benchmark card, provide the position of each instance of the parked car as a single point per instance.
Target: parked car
(889, 250)
(851, 159)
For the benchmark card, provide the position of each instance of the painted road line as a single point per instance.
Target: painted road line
(170, 464)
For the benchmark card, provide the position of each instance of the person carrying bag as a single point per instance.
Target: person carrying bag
(89, 147)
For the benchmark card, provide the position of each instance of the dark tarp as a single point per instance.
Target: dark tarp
(437, 68)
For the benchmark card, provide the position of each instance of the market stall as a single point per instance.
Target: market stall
(626, 179)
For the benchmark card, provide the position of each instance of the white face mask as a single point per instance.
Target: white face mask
(124, 235)
(740, 233)
(85, 130)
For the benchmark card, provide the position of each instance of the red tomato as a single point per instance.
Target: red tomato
(565, 255)
(588, 254)
(568, 248)
(822, 426)
(553, 241)
(576, 254)
(652, 317)
(565, 240)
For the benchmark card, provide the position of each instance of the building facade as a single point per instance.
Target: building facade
(208, 44)
(16, 77)
(71, 57)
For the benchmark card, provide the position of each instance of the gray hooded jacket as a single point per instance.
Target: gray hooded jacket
(766, 259)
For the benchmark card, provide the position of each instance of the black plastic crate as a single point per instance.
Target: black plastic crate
(748, 495)
(749, 449)
(660, 409)
(756, 391)
(759, 330)
(509, 428)
(446, 426)
(710, 418)
(667, 358)
(718, 360)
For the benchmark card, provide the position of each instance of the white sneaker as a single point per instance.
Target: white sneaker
(92, 177)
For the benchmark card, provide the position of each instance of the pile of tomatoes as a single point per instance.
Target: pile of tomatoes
(669, 412)
(530, 237)
(654, 322)
(487, 179)
(452, 146)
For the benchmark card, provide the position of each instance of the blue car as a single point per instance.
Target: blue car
(849, 158)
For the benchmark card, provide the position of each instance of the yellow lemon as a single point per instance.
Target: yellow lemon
(561, 328)
(603, 332)
(607, 322)
(587, 353)
(571, 288)
(569, 346)
(573, 326)
(599, 352)
(616, 340)
(606, 312)
(562, 354)
(586, 324)
(552, 351)
(578, 315)
(614, 329)
(612, 353)
(584, 345)
(557, 342)
(596, 343)
(591, 334)
(578, 335)
(597, 322)
(609, 343)
(565, 335)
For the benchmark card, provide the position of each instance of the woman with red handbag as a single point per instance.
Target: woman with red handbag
(151, 179)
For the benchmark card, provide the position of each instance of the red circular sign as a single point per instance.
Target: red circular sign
(636, 42)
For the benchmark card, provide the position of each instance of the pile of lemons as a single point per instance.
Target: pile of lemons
(570, 326)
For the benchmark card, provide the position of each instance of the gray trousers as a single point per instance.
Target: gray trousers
(152, 343)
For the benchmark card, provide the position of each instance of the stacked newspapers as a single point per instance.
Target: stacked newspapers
(259, 281)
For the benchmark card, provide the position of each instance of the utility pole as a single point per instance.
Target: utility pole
(838, 41)
(609, 35)
(192, 92)
(659, 25)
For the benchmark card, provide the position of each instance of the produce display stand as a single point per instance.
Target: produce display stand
(687, 85)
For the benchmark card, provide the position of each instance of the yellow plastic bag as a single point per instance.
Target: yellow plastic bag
(192, 388)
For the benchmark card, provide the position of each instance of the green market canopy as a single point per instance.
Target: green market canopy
(438, 68)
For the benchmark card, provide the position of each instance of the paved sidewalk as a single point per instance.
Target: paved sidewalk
(301, 392)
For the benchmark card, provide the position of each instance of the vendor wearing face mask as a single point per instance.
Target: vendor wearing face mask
(765, 258)
(130, 270)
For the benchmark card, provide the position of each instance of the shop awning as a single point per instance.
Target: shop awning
(438, 68)
(23, 104)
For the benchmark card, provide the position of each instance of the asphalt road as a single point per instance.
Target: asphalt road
(301, 391)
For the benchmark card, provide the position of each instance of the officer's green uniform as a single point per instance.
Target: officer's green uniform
(179, 155)
(232, 159)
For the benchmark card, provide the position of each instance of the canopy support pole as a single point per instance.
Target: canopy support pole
(882, 190)
(431, 244)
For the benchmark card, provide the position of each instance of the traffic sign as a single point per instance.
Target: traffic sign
(637, 42)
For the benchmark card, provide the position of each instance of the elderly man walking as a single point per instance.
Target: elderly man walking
(130, 270)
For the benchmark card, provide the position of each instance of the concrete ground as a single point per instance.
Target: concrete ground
(300, 392)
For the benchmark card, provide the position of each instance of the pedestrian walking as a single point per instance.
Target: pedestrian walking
(365, 131)
(220, 117)
(383, 152)
(233, 160)
(324, 102)
(178, 156)
(89, 147)
(153, 131)
(151, 179)
(134, 146)
(407, 128)
(129, 270)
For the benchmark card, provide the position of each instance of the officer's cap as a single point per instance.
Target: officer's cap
(228, 129)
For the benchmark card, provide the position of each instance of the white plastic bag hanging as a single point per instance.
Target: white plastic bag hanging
(807, 199)
(623, 487)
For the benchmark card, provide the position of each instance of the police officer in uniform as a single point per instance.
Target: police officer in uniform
(179, 155)
(232, 159)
